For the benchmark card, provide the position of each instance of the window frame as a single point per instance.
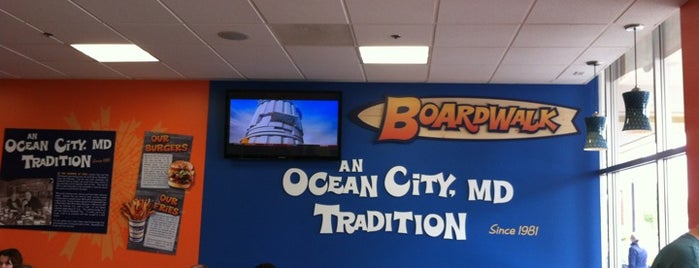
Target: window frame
(611, 167)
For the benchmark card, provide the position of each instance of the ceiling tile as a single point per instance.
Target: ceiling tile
(85, 70)
(51, 52)
(617, 36)
(577, 11)
(148, 34)
(381, 35)
(313, 34)
(22, 67)
(194, 61)
(469, 56)
(200, 69)
(650, 12)
(483, 11)
(557, 35)
(391, 11)
(13, 31)
(69, 30)
(128, 11)
(318, 73)
(527, 73)
(45, 11)
(144, 70)
(265, 56)
(460, 73)
(305, 56)
(604, 55)
(258, 34)
(302, 11)
(415, 73)
(6, 75)
(214, 11)
(474, 35)
(526, 55)
(278, 72)
(89, 32)
(327, 63)
(260, 62)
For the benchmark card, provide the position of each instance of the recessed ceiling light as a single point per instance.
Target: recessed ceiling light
(394, 54)
(115, 52)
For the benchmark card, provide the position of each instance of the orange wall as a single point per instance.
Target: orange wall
(689, 15)
(130, 108)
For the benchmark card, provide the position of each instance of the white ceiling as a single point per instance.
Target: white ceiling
(471, 41)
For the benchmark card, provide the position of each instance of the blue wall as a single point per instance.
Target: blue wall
(248, 218)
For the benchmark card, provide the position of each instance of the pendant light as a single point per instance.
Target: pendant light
(594, 141)
(594, 125)
(635, 101)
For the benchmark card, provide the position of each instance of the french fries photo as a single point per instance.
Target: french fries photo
(137, 209)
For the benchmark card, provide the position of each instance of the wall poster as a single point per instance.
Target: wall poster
(154, 214)
(57, 180)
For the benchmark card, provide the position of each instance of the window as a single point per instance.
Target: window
(636, 202)
(672, 64)
(639, 170)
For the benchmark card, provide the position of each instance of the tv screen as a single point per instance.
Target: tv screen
(283, 124)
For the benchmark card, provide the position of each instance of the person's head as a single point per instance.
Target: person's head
(15, 196)
(633, 238)
(265, 265)
(10, 258)
(27, 194)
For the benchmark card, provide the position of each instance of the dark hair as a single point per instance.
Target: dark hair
(14, 255)
(265, 265)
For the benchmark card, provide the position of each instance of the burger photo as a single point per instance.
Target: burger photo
(180, 174)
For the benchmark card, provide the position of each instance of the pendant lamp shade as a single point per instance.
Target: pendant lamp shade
(636, 100)
(594, 125)
(595, 141)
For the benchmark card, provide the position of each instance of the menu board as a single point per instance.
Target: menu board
(165, 174)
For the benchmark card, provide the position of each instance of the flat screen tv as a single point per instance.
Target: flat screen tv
(283, 124)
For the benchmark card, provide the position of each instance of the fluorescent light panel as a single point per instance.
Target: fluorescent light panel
(394, 54)
(115, 52)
